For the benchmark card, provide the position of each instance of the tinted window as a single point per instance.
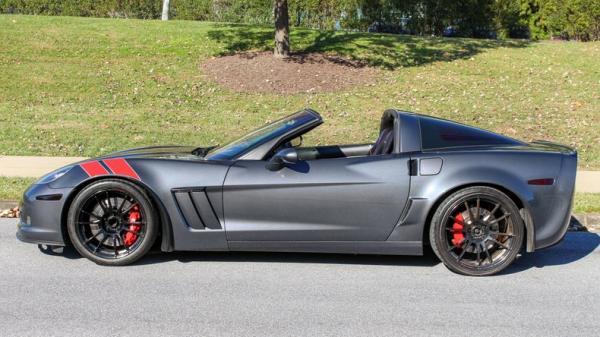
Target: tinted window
(437, 134)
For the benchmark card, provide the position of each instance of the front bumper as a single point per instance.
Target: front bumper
(40, 220)
(33, 234)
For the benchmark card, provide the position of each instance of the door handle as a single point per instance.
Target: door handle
(413, 167)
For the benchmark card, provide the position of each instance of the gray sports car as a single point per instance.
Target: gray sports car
(476, 197)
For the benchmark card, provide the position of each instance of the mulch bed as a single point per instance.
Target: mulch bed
(300, 73)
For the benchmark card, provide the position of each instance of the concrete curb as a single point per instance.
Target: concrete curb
(591, 221)
(6, 204)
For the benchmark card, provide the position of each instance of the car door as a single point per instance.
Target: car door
(339, 199)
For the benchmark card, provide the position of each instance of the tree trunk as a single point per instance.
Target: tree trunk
(282, 29)
(165, 11)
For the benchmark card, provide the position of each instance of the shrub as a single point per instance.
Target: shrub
(142, 9)
(571, 19)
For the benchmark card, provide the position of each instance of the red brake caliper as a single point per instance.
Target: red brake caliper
(134, 226)
(457, 230)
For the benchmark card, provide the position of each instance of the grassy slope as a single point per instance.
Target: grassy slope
(79, 86)
(12, 189)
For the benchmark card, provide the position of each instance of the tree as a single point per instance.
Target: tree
(509, 19)
(282, 29)
(573, 19)
(165, 10)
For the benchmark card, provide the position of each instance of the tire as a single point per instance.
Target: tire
(112, 222)
(477, 231)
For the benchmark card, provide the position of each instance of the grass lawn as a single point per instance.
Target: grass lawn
(82, 86)
(13, 188)
(587, 203)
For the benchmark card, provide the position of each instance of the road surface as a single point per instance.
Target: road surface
(554, 292)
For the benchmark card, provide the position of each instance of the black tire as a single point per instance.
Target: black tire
(99, 222)
(477, 231)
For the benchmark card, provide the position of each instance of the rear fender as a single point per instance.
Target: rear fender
(427, 192)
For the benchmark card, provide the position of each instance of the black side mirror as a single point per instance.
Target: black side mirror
(287, 156)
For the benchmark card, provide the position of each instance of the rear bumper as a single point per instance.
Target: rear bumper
(558, 235)
(40, 220)
(558, 212)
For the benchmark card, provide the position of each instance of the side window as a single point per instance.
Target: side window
(438, 134)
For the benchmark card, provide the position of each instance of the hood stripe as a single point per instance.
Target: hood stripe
(120, 166)
(93, 168)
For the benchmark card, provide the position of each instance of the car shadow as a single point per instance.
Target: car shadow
(67, 252)
(574, 247)
(156, 256)
(428, 260)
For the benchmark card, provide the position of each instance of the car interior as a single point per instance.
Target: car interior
(382, 146)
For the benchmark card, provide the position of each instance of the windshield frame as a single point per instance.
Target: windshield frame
(262, 141)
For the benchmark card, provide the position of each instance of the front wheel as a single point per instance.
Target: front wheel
(477, 231)
(112, 222)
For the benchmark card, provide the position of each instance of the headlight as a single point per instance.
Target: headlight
(52, 176)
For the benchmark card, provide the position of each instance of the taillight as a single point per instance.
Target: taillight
(542, 181)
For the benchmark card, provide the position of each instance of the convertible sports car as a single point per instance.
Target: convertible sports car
(476, 197)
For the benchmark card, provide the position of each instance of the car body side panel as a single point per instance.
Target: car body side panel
(165, 177)
(342, 199)
(510, 170)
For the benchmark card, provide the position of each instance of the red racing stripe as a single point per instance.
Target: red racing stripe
(93, 168)
(119, 166)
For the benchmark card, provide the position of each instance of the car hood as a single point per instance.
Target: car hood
(158, 152)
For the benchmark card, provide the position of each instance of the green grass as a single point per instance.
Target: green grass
(13, 188)
(83, 87)
(587, 203)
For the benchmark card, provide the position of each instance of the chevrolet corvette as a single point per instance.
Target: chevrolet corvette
(477, 198)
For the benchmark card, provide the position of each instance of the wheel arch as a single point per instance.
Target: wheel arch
(165, 228)
(525, 213)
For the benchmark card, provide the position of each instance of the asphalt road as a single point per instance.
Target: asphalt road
(554, 292)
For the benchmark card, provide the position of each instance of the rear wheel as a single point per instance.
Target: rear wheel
(112, 222)
(477, 231)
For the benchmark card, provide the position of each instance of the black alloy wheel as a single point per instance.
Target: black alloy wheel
(477, 231)
(112, 222)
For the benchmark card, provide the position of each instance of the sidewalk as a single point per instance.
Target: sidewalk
(588, 182)
(29, 166)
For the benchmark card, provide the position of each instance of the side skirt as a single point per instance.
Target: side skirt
(340, 247)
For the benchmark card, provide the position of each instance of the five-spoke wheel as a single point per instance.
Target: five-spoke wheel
(477, 231)
(112, 222)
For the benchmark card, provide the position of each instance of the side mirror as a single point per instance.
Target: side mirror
(287, 156)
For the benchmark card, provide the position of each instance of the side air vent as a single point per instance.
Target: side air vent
(196, 209)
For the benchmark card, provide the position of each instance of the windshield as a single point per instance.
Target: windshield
(261, 136)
